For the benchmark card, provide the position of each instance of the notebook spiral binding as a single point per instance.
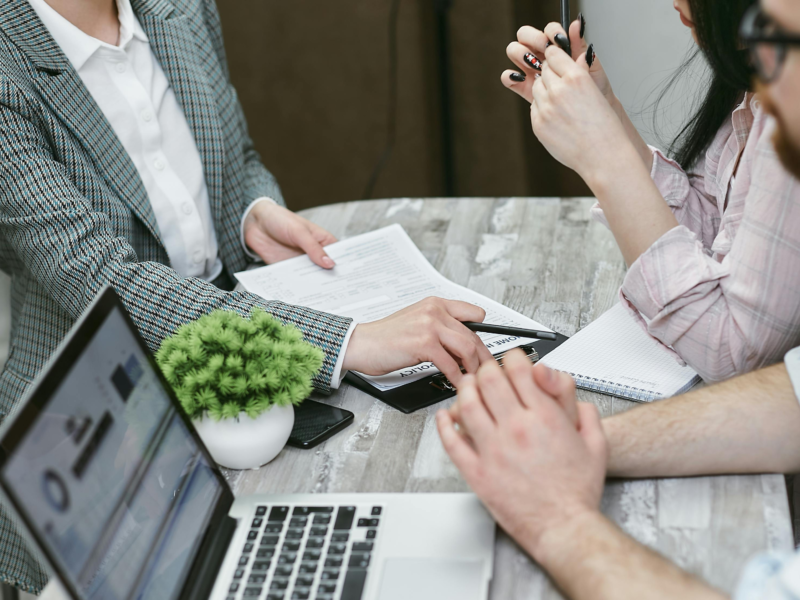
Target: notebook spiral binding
(614, 389)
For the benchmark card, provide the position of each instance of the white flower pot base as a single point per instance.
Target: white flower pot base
(246, 443)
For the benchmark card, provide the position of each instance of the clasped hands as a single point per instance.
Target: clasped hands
(533, 454)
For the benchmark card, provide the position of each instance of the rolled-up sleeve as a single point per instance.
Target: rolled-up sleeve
(731, 316)
(771, 576)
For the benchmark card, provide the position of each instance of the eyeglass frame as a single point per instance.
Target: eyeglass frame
(751, 38)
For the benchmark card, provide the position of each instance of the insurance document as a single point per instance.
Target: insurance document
(377, 274)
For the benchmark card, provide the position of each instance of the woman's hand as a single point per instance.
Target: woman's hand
(530, 48)
(571, 118)
(529, 54)
(276, 233)
(428, 331)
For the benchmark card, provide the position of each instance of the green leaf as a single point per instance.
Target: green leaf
(216, 362)
(205, 397)
(230, 410)
(240, 387)
(234, 363)
(225, 383)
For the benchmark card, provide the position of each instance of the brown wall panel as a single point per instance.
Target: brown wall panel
(313, 79)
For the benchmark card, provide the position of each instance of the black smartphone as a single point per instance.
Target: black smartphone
(315, 422)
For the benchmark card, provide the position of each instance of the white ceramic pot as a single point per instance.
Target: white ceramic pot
(245, 443)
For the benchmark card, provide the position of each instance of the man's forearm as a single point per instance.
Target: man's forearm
(750, 424)
(591, 558)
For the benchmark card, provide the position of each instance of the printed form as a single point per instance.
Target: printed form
(377, 274)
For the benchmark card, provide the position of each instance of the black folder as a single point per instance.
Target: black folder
(432, 390)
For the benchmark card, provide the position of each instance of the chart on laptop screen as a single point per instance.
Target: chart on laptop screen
(110, 475)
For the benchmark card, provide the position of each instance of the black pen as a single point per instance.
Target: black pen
(514, 331)
(565, 23)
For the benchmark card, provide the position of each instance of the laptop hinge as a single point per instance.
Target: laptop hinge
(205, 569)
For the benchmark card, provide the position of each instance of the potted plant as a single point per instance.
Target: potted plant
(238, 380)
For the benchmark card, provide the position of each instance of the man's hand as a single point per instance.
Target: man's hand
(521, 451)
(275, 234)
(429, 331)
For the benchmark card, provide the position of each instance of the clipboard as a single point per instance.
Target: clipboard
(435, 388)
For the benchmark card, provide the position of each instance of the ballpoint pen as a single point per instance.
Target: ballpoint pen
(565, 24)
(515, 331)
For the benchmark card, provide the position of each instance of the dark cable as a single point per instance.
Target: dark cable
(445, 92)
(391, 130)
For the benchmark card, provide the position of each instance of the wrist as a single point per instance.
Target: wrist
(257, 210)
(602, 176)
(563, 539)
(350, 360)
(615, 104)
(614, 439)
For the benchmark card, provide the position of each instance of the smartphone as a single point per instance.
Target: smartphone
(315, 422)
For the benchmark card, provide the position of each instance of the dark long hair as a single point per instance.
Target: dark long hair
(717, 27)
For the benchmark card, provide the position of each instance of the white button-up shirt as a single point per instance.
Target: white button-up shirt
(134, 94)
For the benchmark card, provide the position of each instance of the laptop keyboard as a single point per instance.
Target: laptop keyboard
(307, 552)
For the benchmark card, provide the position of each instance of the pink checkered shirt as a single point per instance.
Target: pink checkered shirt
(723, 288)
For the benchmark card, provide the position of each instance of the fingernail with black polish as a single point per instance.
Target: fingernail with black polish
(583, 24)
(548, 44)
(562, 42)
(590, 56)
(517, 77)
(532, 61)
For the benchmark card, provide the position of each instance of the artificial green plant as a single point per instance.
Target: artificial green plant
(223, 364)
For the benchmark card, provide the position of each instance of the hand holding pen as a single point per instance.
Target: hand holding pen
(528, 54)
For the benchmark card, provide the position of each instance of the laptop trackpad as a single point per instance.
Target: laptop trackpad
(432, 579)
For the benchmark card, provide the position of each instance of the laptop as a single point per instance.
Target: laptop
(111, 481)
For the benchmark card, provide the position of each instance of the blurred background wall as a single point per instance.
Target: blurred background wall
(641, 45)
(315, 81)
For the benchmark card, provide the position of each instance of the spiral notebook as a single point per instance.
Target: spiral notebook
(614, 356)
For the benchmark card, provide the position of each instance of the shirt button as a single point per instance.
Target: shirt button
(147, 116)
(159, 164)
(187, 208)
(121, 68)
(198, 257)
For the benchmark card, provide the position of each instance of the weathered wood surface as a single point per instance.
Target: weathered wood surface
(545, 258)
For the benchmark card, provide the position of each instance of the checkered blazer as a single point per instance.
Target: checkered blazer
(74, 214)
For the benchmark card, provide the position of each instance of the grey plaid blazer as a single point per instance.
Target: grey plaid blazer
(74, 214)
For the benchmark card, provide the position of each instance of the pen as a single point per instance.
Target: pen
(515, 331)
(565, 23)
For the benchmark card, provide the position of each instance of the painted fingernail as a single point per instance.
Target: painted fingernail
(532, 61)
(590, 56)
(537, 76)
(548, 44)
(518, 77)
(583, 24)
(562, 42)
(327, 262)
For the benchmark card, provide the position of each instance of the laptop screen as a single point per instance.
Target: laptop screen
(110, 476)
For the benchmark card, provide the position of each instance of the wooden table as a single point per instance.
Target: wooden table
(545, 258)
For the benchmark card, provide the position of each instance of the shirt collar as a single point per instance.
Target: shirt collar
(79, 46)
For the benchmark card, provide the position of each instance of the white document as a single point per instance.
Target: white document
(377, 274)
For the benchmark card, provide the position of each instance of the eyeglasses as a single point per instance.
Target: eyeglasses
(768, 44)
